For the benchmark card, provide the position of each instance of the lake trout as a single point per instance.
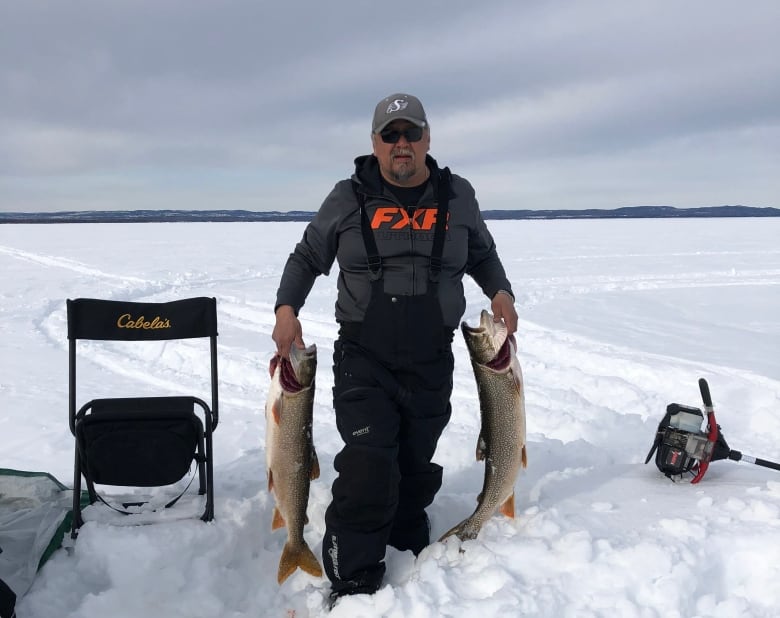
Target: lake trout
(501, 442)
(291, 460)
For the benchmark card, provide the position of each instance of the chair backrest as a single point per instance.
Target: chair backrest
(112, 320)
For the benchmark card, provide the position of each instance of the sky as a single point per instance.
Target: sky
(618, 319)
(260, 105)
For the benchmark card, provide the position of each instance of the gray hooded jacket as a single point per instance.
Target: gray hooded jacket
(404, 238)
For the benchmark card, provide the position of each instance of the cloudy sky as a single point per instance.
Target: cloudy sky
(263, 105)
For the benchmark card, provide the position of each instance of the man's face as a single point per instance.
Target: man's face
(402, 163)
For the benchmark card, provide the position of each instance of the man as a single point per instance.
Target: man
(404, 233)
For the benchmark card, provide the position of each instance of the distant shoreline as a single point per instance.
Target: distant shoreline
(175, 216)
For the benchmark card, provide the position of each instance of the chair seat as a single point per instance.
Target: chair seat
(141, 442)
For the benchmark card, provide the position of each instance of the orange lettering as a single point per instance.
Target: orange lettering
(382, 215)
(429, 219)
(399, 218)
(404, 222)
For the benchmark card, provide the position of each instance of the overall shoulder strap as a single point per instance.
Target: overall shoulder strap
(443, 198)
(372, 252)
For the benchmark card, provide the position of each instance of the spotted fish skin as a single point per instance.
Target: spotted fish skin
(291, 460)
(502, 439)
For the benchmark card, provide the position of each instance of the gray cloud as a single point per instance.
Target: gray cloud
(261, 105)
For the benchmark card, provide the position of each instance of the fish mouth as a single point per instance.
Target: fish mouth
(503, 357)
(495, 330)
(299, 356)
(290, 369)
(496, 333)
(287, 377)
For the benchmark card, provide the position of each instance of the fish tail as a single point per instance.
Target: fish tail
(449, 533)
(464, 531)
(294, 557)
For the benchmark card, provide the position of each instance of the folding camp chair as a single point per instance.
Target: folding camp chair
(142, 441)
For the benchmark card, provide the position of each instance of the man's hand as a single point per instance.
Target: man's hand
(287, 331)
(503, 307)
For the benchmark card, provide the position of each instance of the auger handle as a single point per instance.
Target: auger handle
(765, 463)
(705, 392)
(713, 436)
(738, 456)
(712, 430)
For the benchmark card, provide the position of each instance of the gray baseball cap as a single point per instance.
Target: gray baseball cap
(398, 106)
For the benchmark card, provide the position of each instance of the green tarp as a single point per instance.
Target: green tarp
(35, 513)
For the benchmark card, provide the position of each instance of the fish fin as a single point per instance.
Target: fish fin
(315, 465)
(508, 507)
(518, 381)
(276, 410)
(524, 458)
(270, 481)
(278, 520)
(294, 558)
(481, 448)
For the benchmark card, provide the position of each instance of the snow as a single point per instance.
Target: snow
(618, 319)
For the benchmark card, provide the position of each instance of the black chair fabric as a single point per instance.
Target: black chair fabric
(145, 441)
(160, 436)
(92, 318)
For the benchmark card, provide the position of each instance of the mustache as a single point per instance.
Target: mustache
(402, 152)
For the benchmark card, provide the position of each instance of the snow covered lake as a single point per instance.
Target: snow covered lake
(618, 318)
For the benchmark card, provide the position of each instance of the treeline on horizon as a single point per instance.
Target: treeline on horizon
(152, 216)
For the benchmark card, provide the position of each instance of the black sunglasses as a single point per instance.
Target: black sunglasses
(391, 136)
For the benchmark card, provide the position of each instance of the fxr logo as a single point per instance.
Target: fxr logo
(395, 218)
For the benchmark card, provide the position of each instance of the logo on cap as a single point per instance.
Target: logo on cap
(397, 105)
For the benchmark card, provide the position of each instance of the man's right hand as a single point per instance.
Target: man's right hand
(287, 331)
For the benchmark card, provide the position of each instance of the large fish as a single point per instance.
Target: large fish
(291, 460)
(501, 442)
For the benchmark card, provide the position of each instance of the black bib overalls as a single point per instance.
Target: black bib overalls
(391, 395)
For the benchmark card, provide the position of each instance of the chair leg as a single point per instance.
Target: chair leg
(208, 514)
(77, 520)
(202, 456)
